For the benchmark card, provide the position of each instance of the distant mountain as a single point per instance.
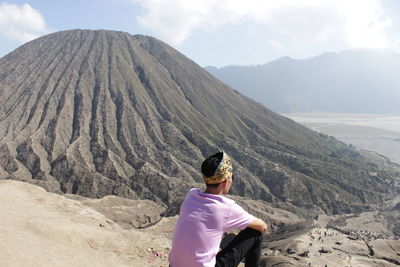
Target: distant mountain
(96, 113)
(348, 82)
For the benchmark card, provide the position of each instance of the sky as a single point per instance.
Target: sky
(217, 32)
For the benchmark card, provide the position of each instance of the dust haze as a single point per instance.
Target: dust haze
(375, 133)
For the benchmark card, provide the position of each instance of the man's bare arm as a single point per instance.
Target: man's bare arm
(259, 225)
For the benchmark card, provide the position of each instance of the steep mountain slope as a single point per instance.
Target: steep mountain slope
(350, 81)
(102, 112)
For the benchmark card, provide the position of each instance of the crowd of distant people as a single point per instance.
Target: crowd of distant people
(365, 234)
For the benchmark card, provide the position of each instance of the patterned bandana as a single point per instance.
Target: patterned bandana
(223, 171)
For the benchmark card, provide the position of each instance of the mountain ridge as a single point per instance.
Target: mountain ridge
(103, 112)
(351, 81)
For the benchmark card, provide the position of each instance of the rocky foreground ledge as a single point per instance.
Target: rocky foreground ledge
(38, 228)
(329, 247)
(44, 229)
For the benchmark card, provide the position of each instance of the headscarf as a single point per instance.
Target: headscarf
(223, 171)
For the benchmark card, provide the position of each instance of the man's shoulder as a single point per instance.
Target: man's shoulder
(197, 193)
(228, 200)
(193, 191)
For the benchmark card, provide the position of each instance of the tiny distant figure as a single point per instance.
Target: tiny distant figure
(205, 216)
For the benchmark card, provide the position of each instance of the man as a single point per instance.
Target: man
(204, 218)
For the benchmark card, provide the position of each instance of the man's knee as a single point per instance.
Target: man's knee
(256, 235)
(253, 231)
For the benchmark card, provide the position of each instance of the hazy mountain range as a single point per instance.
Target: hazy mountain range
(96, 113)
(363, 81)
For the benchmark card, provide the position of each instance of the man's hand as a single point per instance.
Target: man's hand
(259, 225)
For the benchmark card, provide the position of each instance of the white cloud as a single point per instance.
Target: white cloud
(396, 46)
(22, 23)
(349, 23)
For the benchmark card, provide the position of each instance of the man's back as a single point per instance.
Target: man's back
(203, 219)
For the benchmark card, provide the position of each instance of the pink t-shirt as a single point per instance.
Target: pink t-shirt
(203, 219)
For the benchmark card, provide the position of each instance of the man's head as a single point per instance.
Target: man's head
(217, 170)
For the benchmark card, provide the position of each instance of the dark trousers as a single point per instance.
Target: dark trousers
(245, 245)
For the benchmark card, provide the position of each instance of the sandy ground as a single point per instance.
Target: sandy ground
(328, 247)
(38, 228)
(43, 229)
